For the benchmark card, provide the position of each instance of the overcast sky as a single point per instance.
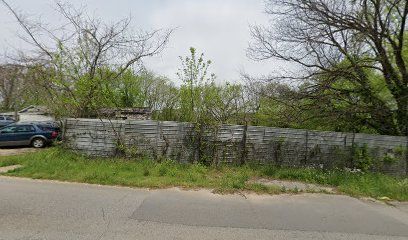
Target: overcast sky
(218, 28)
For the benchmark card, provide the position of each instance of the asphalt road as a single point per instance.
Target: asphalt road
(36, 210)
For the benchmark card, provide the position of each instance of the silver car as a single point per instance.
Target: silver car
(6, 120)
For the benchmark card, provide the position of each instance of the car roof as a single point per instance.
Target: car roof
(43, 124)
(20, 124)
(16, 124)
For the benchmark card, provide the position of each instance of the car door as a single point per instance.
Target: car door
(23, 134)
(8, 136)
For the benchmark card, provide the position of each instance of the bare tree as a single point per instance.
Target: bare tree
(11, 85)
(84, 51)
(350, 53)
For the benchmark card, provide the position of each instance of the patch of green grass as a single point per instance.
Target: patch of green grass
(59, 164)
(355, 184)
(4, 162)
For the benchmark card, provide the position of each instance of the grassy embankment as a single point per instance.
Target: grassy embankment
(59, 164)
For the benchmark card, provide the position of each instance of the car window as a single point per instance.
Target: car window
(25, 128)
(10, 118)
(1, 118)
(11, 129)
(45, 128)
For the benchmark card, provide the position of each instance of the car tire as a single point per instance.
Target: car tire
(38, 143)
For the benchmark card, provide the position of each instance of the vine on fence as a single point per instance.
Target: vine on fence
(205, 143)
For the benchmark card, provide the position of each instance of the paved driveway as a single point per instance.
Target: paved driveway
(31, 209)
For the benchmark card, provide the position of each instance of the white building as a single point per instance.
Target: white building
(33, 114)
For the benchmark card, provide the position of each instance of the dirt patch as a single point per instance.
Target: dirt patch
(294, 186)
(403, 206)
(9, 168)
(15, 151)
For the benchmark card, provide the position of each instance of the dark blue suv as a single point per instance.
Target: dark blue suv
(24, 134)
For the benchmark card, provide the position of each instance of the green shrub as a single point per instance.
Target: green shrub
(362, 159)
(146, 172)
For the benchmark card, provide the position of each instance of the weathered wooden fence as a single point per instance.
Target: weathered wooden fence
(236, 144)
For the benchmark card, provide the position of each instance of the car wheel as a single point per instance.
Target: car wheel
(38, 143)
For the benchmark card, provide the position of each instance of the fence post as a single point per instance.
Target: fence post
(197, 142)
(306, 148)
(244, 145)
(215, 161)
(352, 151)
(406, 157)
(157, 147)
(64, 129)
